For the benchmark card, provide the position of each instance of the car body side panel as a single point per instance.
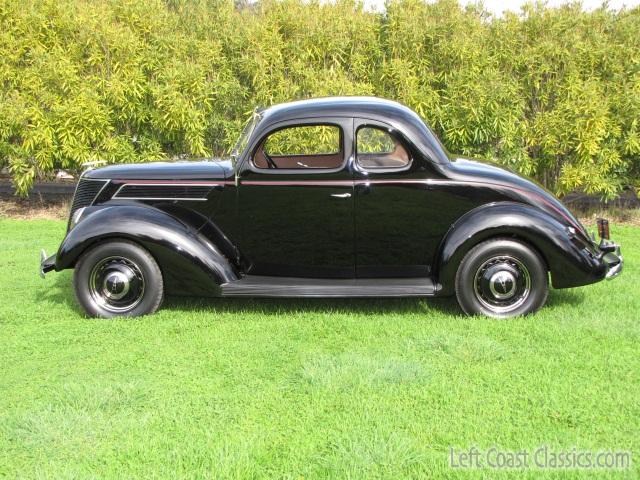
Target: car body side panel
(393, 217)
(297, 222)
(333, 224)
(393, 227)
(570, 263)
(172, 178)
(301, 229)
(190, 262)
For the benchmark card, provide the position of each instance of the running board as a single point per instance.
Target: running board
(261, 286)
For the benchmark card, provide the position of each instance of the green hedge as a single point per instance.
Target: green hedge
(550, 92)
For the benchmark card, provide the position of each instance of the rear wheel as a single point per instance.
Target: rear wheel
(118, 278)
(501, 278)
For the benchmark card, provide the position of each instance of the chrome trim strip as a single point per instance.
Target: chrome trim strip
(189, 183)
(335, 183)
(93, 179)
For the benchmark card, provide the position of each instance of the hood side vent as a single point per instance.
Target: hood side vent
(194, 192)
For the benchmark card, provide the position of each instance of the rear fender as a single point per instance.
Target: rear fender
(190, 262)
(569, 263)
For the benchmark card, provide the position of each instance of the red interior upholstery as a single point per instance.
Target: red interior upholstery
(399, 157)
(331, 160)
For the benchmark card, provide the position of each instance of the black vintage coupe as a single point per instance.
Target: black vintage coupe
(331, 197)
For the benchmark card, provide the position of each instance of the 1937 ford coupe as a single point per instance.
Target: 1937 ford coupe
(332, 197)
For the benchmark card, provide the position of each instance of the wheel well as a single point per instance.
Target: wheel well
(446, 276)
(522, 240)
(117, 238)
(175, 281)
(104, 240)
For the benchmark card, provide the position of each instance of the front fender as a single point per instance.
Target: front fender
(571, 262)
(190, 263)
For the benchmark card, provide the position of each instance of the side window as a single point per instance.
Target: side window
(377, 148)
(301, 147)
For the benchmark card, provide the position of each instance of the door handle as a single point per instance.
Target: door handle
(341, 195)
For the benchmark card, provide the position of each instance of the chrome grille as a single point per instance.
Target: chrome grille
(86, 192)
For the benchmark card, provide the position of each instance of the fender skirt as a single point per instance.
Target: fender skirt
(571, 263)
(190, 263)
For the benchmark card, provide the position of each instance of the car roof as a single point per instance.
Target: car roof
(387, 111)
(338, 107)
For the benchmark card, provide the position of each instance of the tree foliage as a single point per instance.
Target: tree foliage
(550, 92)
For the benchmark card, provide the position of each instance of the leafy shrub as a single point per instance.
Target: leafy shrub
(550, 92)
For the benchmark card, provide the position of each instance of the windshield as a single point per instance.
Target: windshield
(248, 129)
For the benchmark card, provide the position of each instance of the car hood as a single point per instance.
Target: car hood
(217, 169)
(520, 188)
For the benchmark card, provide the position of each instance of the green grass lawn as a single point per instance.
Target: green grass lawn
(306, 389)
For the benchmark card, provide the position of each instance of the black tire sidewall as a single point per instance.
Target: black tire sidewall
(480, 253)
(153, 290)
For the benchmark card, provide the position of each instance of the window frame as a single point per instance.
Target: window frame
(393, 133)
(338, 122)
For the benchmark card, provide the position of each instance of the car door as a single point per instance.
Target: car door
(394, 232)
(296, 201)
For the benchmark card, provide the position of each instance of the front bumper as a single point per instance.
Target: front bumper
(46, 263)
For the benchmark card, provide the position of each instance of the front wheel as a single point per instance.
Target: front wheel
(501, 278)
(118, 278)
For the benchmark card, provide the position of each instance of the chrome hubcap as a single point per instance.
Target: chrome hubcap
(116, 284)
(502, 283)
